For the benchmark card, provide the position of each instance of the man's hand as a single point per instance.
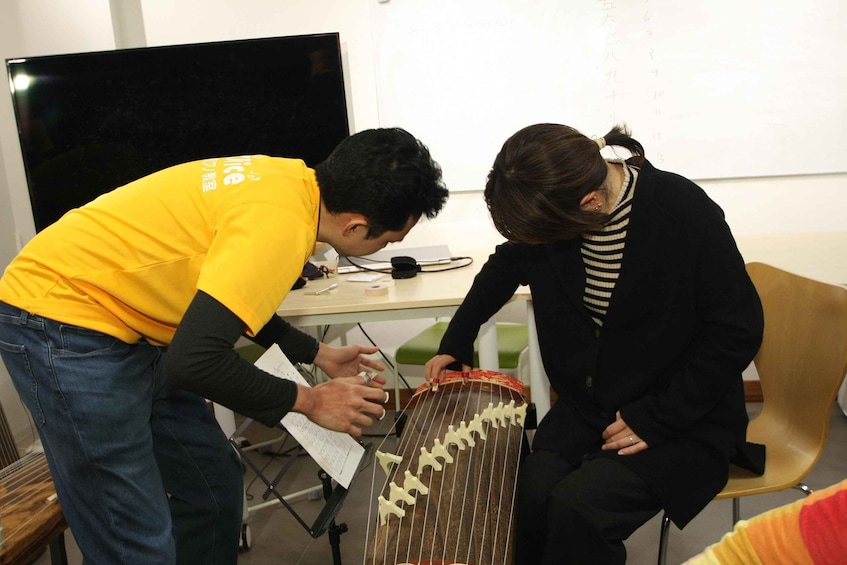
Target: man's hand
(619, 435)
(343, 404)
(347, 361)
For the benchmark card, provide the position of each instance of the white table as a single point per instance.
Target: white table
(428, 295)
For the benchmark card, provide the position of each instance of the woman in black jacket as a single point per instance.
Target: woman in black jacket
(646, 318)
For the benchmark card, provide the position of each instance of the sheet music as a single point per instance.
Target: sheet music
(338, 454)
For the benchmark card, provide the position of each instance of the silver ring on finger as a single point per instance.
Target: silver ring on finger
(631, 440)
(366, 377)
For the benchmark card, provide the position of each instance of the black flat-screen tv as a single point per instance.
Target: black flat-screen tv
(91, 122)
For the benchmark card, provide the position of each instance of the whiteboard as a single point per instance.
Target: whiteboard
(712, 89)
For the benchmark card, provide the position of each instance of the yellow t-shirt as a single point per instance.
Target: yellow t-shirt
(129, 263)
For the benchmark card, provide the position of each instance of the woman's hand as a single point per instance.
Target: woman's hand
(347, 361)
(619, 435)
(437, 366)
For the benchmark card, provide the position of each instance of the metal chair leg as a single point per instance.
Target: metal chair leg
(58, 555)
(736, 516)
(805, 488)
(663, 539)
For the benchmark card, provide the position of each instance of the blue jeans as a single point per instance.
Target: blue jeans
(143, 471)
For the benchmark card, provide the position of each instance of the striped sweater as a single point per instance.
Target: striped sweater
(602, 250)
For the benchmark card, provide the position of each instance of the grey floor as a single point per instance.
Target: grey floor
(277, 538)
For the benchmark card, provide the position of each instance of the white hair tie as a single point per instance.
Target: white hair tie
(600, 141)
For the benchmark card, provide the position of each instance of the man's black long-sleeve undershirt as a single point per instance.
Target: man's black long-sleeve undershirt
(201, 359)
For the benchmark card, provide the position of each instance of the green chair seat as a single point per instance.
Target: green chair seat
(512, 339)
(251, 351)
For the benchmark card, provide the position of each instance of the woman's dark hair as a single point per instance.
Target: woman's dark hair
(540, 176)
(386, 175)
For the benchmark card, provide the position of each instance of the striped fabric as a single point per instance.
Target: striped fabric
(810, 531)
(602, 251)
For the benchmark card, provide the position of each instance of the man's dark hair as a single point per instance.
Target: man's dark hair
(386, 175)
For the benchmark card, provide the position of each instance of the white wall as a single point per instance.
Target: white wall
(8, 37)
(40, 27)
(189, 21)
(28, 28)
(695, 79)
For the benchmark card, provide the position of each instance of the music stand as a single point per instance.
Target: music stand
(333, 496)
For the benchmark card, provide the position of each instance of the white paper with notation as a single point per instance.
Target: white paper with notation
(336, 453)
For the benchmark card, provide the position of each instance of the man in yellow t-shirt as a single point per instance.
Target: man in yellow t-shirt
(117, 321)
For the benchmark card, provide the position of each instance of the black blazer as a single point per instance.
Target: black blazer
(683, 323)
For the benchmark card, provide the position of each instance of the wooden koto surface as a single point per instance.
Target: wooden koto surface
(447, 495)
(30, 514)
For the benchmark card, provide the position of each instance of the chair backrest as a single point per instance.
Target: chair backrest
(803, 358)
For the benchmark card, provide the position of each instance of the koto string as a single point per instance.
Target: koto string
(456, 479)
(449, 490)
(503, 489)
(430, 439)
(484, 492)
(402, 450)
(431, 431)
(35, 472)
(477, 486)
(432, 414)
(512, 505)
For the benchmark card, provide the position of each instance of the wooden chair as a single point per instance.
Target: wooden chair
(801, 364)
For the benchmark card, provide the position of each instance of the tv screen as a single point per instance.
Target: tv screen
(90, 122)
